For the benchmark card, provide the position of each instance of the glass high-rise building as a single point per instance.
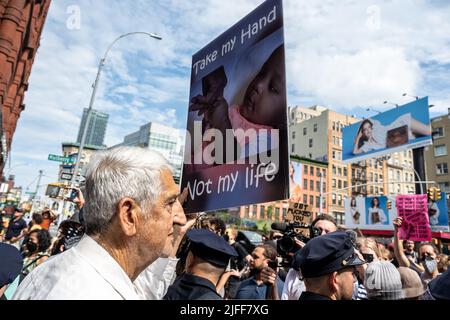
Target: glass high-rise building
(166, 140)
(98, 122)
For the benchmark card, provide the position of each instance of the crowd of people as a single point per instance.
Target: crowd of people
(131, 239)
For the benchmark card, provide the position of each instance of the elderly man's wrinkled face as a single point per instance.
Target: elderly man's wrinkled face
(158, 227)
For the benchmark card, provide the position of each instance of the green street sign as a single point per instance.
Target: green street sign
(65, 160)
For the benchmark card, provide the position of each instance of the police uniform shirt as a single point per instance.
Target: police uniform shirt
(191, 287)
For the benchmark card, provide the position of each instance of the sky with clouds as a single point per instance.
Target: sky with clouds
(346, 55)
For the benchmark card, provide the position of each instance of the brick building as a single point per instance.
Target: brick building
(305, 188)
(21, 25)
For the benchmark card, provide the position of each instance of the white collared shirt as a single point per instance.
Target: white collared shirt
(88, 272)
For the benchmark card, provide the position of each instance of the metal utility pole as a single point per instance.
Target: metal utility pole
(91, 103)
(41, 172)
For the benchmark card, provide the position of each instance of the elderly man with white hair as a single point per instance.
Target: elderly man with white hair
(133, 217)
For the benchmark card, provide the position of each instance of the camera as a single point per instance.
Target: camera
(292, 231)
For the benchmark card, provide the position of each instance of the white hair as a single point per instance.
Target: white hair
(117, 173)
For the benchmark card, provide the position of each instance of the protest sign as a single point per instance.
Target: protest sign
(236, 143)
(402, 128)
(414, 211)
(301, 215)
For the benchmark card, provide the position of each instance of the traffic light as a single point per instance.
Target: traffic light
(437, 194)
(431, 194)
(389, 204)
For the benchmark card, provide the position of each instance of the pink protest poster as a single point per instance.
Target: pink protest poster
(414, 211)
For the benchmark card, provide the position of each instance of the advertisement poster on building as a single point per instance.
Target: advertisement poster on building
(404, 127)
(414, 211)
(295, 181)
(438, 214)
(370, 213)
(236, 143)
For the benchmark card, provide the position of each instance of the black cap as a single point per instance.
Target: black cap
(210, 247)
(11, 264)
(325, 254)
(439, 287)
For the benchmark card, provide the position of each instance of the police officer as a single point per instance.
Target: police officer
(207, 260)
(327, 264)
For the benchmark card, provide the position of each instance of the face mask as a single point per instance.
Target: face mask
(430, 265)
(31, 246)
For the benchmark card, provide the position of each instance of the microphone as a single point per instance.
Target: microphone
(279, 226)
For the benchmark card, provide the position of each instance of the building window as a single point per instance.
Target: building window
(262, 209)
(305, 169)
(334, 170)
(334, 198)
(318, 186)
(340, 199)
(311, 200)
(304, 131)
(324, 187)
(311, 171)
(345, 172)
(345, 184)
(305, 199)
(441, 168)
(440, 150)
(315, 127)
(334, 125)
(339, 184)
(293, 134)
(339, 172)
(340, 218)
(284, 212)
(438, 132)
(310, 143)
(317, 202)
(305, 184)
(324, 173)
(376, 177)
(317, 172)
(311, 185)
(334, 155)
(277, 214)
(293, 148)
(334, 183)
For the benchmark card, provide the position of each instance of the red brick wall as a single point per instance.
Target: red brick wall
(21, 24)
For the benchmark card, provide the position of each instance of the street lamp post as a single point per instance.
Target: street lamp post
(91, 103)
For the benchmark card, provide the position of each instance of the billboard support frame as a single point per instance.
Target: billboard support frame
(372, 183)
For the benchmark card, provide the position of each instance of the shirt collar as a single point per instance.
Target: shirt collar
(107, 267)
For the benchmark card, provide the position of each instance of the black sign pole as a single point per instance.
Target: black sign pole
(419, 166)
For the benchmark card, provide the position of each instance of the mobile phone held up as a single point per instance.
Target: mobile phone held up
(71, 194)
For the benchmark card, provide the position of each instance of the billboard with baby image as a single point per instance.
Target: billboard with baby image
(236, 142)
(404, 127)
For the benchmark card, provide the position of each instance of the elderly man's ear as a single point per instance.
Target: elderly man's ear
(128, 216)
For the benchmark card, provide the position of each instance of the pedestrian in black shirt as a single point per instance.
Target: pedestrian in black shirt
(16, 228)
